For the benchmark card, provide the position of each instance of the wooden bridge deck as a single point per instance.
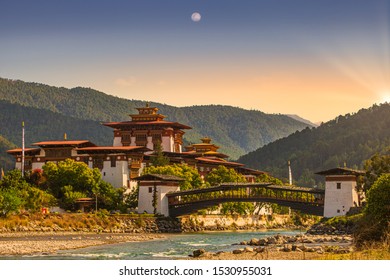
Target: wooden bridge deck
(306, 200)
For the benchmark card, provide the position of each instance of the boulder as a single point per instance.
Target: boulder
(249, 249)
(238, 251)
(287, 248)
(198, 253)
(254, 242)
(271, 240)
(262, 242)
(260, 249)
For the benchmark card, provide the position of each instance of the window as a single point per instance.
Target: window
(338, 210)
(113, 162)
(58, 153)
(156, 137)
(140, 139)
(97, 163)
(338, 186)
(150, 189)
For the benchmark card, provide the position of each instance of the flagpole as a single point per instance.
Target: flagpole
(289, 174)
(23, 149)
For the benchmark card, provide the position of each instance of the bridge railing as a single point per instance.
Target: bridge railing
(248, 192)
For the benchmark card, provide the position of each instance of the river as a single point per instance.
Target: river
(175, 246)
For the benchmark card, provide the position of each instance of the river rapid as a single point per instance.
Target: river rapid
(174, 246)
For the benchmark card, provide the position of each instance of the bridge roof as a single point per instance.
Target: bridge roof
(229, 186)
(341, 171)
(158, 177)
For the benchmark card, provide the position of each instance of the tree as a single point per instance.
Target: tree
(375, 167)
(375, 222)
(18, 194)
(10, 201)
(14, 180)
(223, 174)
(159, 159)
(69, 180)
(192, 179)
(378, 199)
(265, 178)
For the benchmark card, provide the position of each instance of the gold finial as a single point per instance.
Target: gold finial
(65, 136)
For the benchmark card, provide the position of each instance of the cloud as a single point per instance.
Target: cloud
(126, 82)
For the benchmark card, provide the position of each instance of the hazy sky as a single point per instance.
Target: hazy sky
(314, 58)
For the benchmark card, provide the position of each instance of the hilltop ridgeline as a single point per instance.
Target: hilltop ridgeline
(346, 140)
(236, 130)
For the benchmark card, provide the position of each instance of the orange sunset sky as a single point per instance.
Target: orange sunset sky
(317, 59)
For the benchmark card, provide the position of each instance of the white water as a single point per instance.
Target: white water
(176, 246)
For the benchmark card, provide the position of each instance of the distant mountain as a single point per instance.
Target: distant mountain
(298, 118)
(348, 139)
(236, 130)
(6, 161)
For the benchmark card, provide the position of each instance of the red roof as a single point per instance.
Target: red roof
(63, 143)
(135, 123)
(218, 161)
(26, 150)
(251, 171)
(113, 148)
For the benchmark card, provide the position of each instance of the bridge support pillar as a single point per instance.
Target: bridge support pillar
(153, 189)
(340, 191)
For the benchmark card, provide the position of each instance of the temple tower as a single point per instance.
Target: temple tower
(147, 128)
(340, 190)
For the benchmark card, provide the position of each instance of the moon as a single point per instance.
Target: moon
(196, 17)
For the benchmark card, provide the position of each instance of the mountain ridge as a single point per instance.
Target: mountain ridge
(349, 139)
(237, 131)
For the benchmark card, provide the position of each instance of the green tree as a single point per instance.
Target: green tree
(223, 174)
(375, 167)
(375, 222)
(266, 178)
(17, 192)
(378, 199)
(192, 179)
(69, 198)
(34, 199)
(158, 158)
(129, 199)
(10, 201)
(69, 180)
(14, 180)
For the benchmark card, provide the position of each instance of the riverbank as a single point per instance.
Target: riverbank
(280, 247)
(47, 234)
(44, 243)
(146, 223)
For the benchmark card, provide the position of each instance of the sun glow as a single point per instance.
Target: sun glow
(385, 97)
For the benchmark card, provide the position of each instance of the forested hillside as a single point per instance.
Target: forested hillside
(43, 125)
(348, 139)
(6, 161)
(236, 130)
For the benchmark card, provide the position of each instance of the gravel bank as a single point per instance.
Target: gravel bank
(50, 243)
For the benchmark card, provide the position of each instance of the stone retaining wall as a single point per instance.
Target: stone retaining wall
(140, 223)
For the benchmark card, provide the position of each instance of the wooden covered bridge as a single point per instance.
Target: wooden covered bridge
(306, 200)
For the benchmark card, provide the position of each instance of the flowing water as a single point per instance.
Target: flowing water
(175, 246)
